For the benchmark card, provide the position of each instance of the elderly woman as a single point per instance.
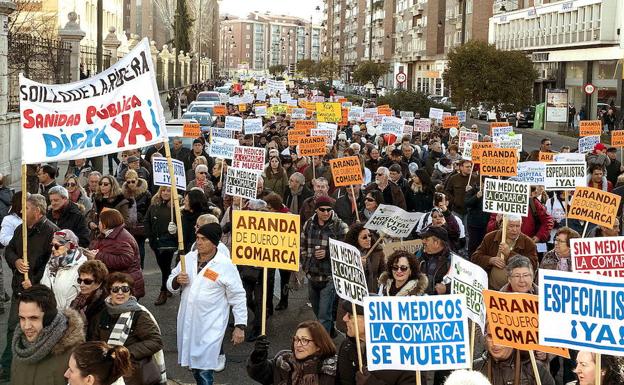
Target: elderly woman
(296, 193)
(372, 200)
(190, 173)
(201, 180)
(108, 196)
(310, 360)
(136, 190)
(90, 300)
(520, 276)
(125, 322)
(77, 194)
(402, 276)
(61, 271)
(116, 247)
(559, 258)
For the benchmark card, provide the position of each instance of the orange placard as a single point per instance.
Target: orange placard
(191, 130)
(513, 321)
(498, 161)
(450, 121)
(590, 127)
(546, 157)
(477, 148)
(595, 206)
(346, 171)
(219, 110)
(305, 124)
(345, 117)
(242, 107)
(617, 138)
(295, 135)
(342, 100)
(384, 110)
(313, 146)
(498, 124)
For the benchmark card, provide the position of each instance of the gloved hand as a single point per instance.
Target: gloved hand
(172, 228)
(261, 350)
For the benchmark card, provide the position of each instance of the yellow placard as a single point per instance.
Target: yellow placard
(346, 171)
(590, 128)
(265, 239)
(328, 112)
(595, 206)
(280, 109)
(191, 130)
(498, 161)
(242, 107)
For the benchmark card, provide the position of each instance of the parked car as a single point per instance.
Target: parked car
(201, 107)
(522, 118)
(208, 96)
(203, 118)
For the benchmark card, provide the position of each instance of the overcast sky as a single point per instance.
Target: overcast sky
(298, 8)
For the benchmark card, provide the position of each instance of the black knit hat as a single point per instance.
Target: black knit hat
(212, 231)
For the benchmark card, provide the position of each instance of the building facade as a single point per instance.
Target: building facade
(262, 40)
(573, 44)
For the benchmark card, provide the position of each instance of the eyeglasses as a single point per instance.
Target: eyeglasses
(104, 184)
(123, 289)
(402, 268)
(86, 281)
(325, 209)
(521, 276)
(369, 199)
(379, 174)
(131, 181)
(557, 240)
(57, 246)
(70, 184)
(301, 341)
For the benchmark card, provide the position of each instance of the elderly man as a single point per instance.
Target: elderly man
(435, 259)
(321, 187)
(296, 193)
(67, 215)
(178, 151)
(39, 239)
(134, 163)
(47, 179)
(201, 180)
(92, 183)
(494, 252)
(209, 285)
(392, 193)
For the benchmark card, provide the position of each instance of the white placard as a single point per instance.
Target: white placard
(161, 175)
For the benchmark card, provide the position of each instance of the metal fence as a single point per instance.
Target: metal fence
(42, 60)
(88, 60)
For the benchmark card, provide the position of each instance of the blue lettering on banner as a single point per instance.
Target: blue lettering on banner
(91, 138)
(416, 333)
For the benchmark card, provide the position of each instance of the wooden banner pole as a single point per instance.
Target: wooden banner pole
(473, 332)
(585, 229)
(538, 380)
(504, 233)
(470, 176)
(418, 377)
(265, 275)
(176, 203)
(357, 214)
(357, 335)
(598, 369)
(565, 205)
(313, 169)
(24, 224)
(374, 246)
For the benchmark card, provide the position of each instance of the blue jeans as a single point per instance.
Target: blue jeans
(322, 300)
(203, 377)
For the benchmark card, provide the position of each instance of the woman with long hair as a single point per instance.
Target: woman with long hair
(419, 197)
(77, 193)
(275, 178)
(98, 363)
(373, 263)
(107, 196)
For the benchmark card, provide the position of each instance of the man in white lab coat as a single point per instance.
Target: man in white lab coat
(209, 285)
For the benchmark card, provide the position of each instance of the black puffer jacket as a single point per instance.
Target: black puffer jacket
(71, 218)
(156, 223)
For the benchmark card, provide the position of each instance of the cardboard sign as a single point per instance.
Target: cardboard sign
(266, 239)
(470, 280)
(590, 128)
(411, 247)
(161, 175)
(346, 171)
(328, 112)
(191, 130)
(617, 138)
(476, 150)
(564, 176)
(546, 157)
(497, 161)
(417, 333)
(467, 135)
(422, 125)
(506, 197)
(513, 321)
(498, 124)
(604, 255)
(392, 125)
(500, 131)
(249, 158)
(355, 113)
(450, 121)
(260, 110)
(241, 183)
(219, 110)
(581, 311)
(313, 146)
(436, 113)
(234, 123)
(510, 140)
(569, 157)
(222, 148)
(253, 126)
(408, 116)
(461, 115)
(531, 172)
(393, 221)
(304, 125)
(295, 135)
(587, 143)
(347, 272)
(596, 206)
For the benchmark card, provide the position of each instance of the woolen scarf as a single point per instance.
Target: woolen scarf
(33, 352)
(305, 372)
(294, 203)
(62, 261)
(130, 305)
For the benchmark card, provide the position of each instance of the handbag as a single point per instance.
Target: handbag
(150, 372)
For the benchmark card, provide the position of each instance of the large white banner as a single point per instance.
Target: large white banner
(118, 109)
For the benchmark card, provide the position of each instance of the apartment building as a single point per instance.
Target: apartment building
(262, 40)
(573, 44)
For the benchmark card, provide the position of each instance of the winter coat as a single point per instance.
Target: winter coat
(278, 371)
(120, 253)
(600, 159)
(208, 187)
(63, 283)
(288, 197)
(156, 224)
(6, 196)
(503, 372)
(530, 226)
(435, 267)
(411, 287)
(70, 217)
(433, 157)
(139, 202)
(489, 248)
(440, 174)
(550, 261)
(189, 219)
(456, 189)
(374, 267)
(314, 235)
(276, 182)
(419, 201)
(373, 165)
(476, 217)
(51, 369)
(39, 239)
(508, 289)
(397, 197)
(344, 209)
(119, 203)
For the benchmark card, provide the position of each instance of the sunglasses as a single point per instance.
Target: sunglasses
(104, 184)
(379, 174)
(402, 268)
(367, 199)
(123, 289)
(86, 281)
(325, 209)
(131, 181)
(57, 246)
(70, 184)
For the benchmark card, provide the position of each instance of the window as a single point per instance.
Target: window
(248, 27)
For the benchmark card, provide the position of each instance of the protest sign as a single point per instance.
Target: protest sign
(261, 96)
(513, 321)
(411, 247)
(328, 112)
(393, 221)
(295, 135)
(260, 110)
(470, 280)
(581, 311)
(422, 125)
(234, 123)
(275, 86)
(506, 197)
(241, 183)
(467, 135)
(475, 150)
(467, 150)
(587, 143)
(118, 109)
(355, 113)
(265, 239)
(408, 116)
(161, 176)
(604, 255)
(450, 121)
(313, 146)
(461, 115)
(221, 133)
(546, 157)
(569, 157)
(222, 147)
(219, 110)
(384, 110)
(253, 126)
(498, 124)
(298, 113)
(391, 125)
(531, 173)
(305, 124)
(501, 130)
(274, 101)
(497, 161)
(191, 130)
(511, 140)
(346, 171)
(249, 158)
(407, 130)
(564, 176)
(242, 107)
(416, 333)
(328, 133)
(617, 138)
(590, 128)
(436, 113)
(596, 206)
(347, 272)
